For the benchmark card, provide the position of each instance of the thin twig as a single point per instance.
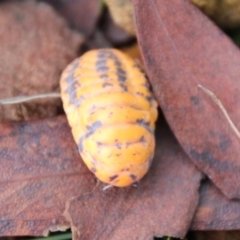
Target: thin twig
(107, 187)
(218, 102)
(21, 99)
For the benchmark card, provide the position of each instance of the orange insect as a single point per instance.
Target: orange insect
(112, 114)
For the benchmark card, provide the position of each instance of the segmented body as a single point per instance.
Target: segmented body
(112, 114)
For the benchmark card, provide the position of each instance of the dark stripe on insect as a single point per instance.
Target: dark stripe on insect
(121, 75)
(91, 129)
(102, 55)
(103, 76)
(144, 124)
(142, 139)
(72, 85)
(133, 177)
(124, 87)
(94, 170)
(147, 98)
(117, 63)
(113, 178)
(140, 94)
(101, 66)
(106, 53)
(79, 100)
(101, 63)
(122, 78)
(119, 145)
(120, 71)
(106, 85)
(102, 69)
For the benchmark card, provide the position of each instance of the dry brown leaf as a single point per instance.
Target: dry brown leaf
(35, 46)
(45, 185)
(215, 211)
(40, 170)
(180, 53)
(82, 15)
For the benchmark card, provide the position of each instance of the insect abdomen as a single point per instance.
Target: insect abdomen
(112, 114)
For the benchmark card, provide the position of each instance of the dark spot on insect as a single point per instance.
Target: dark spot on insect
(142, 139)
(133, 177)
(119, 154)
(106, 85)
(91, 129)
(102, 69)
(80, 144)
(99, 143)
(111, 55)
(113, 178)
(79, 101)
(120, 71)
(94, 126)
(139, 93)
(103, 76)
(93, 107)
(110, 114)
(106, 54)
(127, 144)
(117, 63)
(119, 145)
(94, 170)
(102, 55)
(149, 99)
(142, 122)
(93, 162)
(146, 85)
(101, 63)
(124, 169)
(195, 100)
(124, 87)
(122, 78)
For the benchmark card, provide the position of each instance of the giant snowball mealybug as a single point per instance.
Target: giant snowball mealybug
(112, 113)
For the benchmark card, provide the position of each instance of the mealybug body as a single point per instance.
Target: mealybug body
(112, 114)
